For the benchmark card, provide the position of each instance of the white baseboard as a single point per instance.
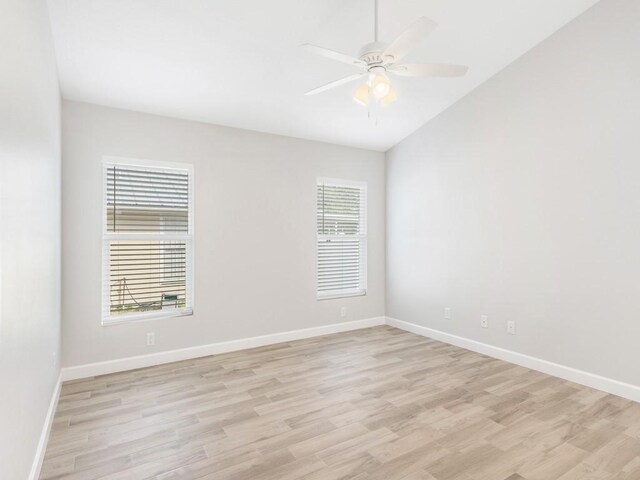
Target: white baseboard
(46, 429)
(626, 390)
(131, 363)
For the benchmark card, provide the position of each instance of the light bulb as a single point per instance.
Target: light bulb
(380, 86)
(362, 95)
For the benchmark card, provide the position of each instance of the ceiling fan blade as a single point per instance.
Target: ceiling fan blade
(333, 55)
(408, 39)
(429, 70)
(336, 83)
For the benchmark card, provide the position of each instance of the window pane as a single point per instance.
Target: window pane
(146, 200)
(147, 275)
(339, 210)
(338, 265)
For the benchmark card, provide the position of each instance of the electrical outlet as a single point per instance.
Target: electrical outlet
(484, 321)
(343, 311)
(151, 339)
(511, 327)
(447, 313)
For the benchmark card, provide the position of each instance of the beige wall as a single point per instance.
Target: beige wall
(522, 202)
(29, 231)
(255, 232)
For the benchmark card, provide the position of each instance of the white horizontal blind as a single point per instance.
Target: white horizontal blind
(342, 238)
(147, 200)
(148, 241)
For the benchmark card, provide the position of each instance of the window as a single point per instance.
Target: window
(342, 238)
(147, 240)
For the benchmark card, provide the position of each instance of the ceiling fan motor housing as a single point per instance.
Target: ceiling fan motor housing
(372, 55)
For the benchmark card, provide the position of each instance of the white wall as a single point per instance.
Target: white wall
(254, 230)
(29, 231)
(522, 202)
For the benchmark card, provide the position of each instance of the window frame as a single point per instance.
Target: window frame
(362, 237)
(107, 238)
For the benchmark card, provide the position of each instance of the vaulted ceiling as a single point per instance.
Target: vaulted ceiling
(238, 62)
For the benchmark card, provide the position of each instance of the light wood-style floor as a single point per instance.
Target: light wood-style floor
(378, 403)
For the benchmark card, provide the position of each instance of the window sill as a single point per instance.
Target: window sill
(146, 316)
(333, 296)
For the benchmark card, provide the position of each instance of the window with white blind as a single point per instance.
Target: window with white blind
(342, 238)
(147, 240)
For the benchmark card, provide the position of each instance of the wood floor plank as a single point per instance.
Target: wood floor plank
(376, 404)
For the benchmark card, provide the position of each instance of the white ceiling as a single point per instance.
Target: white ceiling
(238, 62)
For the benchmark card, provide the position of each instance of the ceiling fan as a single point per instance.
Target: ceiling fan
(378, 59)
